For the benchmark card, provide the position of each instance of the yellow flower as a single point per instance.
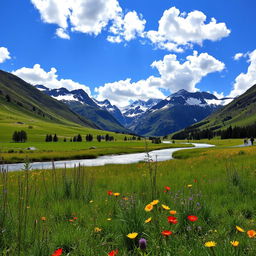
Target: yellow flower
(109, 219)
(97, 229)
(210, 244)
(189, 186)
(148, 220)
(173, 212)
(149, 207)
(116, 194)
(154, 202)
(165, 207)
(234, 243)
(239, 229)
(91, 201)
(132, 235)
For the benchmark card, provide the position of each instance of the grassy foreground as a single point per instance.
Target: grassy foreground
(90, 211)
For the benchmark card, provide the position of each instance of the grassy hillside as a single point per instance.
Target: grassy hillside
(23, 98)
(75, 210)
(240, 112)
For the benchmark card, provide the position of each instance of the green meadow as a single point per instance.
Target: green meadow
(205, 206)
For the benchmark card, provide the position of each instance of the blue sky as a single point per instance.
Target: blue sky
(91, 50)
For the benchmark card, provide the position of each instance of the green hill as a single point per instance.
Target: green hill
(240, 112)
(24, 107)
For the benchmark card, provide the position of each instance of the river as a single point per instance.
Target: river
(160, 155)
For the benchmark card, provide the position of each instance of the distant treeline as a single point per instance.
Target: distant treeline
(192, 133)
(79, 138)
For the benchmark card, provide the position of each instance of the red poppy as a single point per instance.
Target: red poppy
(167, 188)
(113, 253)
(172, 219)
(58, 252)
(195, 180)
(110, 193)
(166, 233)
(75, 218)
(192, 218)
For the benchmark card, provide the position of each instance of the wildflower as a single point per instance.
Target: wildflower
(97, 230)
(71, 220)
(148, 220)
(239, 229)
(113, 253)
(132, 235)
(149, 207)
(166, 189)
(251, 233)
(125, 198)
(154, 202)
(91, 201)
(173, 212)
(110, 193)
(234, 243)
(57, 252)
(75, 218)
(143, 244)
(210, 244)
(43, 218)
(109, 219)
(172, 220)
(192, 218)
(189, 185)
(116, 194)
(165, 207)
(166, 233)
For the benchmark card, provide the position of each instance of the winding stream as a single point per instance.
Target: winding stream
(161, 155)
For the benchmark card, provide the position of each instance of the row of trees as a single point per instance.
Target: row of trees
(51, 138)
(19, 136)
(230, 132)
(132, 138)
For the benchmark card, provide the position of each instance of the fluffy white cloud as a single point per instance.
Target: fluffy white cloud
(238, 56)
(174, 75)
(60, 32)
(4, 54)
(38, 75)
(122, 92)
(178, 29)
(90, 17)
(127, 28)
(245, 80)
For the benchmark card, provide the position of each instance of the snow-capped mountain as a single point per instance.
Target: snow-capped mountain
(136, 109)
(80, 102)
(176, 112)
(112, 109)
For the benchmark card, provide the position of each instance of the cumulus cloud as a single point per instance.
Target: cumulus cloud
(90, 17)
(38, 75)
(4, 54)
(177, 30)
(127, 27)
(60, 32)
(245, 80)
(173, 76)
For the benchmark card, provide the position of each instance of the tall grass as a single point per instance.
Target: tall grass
(74, 209)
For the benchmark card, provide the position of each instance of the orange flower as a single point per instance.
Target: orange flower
(43, 218)
(154, 202)
(149, 207)
(251, 233)
(173, 212)
(166, 233)
(148, 220)
(192, 218)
